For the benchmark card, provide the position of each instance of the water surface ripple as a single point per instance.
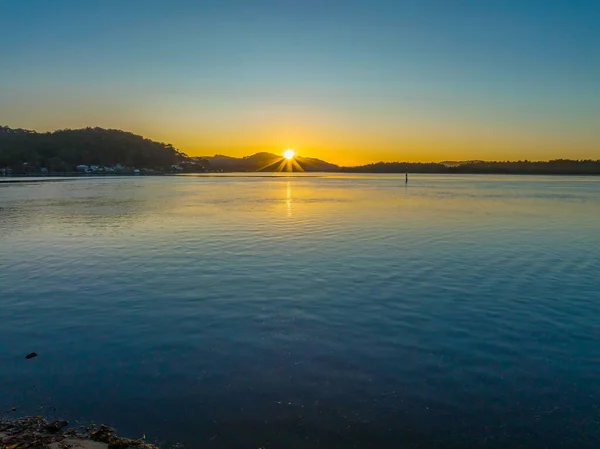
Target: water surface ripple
(307, 312)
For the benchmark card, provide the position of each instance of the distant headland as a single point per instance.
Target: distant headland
(109, 151)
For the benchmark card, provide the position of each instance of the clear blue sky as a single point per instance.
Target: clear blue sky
(352, 81)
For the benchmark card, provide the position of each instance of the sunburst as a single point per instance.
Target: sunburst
(287, 163)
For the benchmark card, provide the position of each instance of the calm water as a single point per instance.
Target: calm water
(307, 312)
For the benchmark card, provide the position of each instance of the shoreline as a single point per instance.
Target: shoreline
(36, 432)
(14, 179)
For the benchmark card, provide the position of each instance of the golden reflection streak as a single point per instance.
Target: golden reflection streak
(289, 198)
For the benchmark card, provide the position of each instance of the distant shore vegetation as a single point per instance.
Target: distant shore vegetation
(89, 150)
(112, 151)
(554, 167)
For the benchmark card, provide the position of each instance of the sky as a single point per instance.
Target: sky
(351, 82)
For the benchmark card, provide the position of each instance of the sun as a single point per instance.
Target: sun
(289, 154)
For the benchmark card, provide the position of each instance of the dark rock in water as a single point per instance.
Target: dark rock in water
(35, 432)
(31, 355)
(122, 443)
(14, 409)
(104, 434)
(56, 426)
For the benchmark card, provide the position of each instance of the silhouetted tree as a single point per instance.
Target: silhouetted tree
(91, 146)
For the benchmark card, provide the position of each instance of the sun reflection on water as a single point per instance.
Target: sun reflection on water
(289, 198)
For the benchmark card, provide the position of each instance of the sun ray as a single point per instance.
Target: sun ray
(270, 164)
(282, 165)
(297, 165)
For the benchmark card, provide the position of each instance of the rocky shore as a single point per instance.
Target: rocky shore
(37, 433)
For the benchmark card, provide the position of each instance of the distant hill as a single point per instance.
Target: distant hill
(457, 163)
(267, 162)
(312, 164)
(24, 150)
(397, 167)
(554, 167)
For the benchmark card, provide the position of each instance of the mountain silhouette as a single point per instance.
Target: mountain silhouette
(24, 151)
(268, 162)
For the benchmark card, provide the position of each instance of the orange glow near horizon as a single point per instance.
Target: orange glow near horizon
(392, 136)
(355, 146)
(348, 143)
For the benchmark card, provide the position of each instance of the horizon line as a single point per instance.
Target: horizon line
(446, 161)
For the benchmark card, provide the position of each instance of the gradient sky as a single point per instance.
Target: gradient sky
(349, 81)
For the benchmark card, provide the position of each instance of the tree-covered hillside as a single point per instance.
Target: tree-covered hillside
(63, 150)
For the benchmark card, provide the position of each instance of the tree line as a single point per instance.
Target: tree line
(23, 150)
(553, 167)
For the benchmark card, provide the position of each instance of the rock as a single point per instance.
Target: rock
(31, 355)
(104, 434)
(35, 432)
(77, 443)
(122, 443)
(56, 426)
(14, 409)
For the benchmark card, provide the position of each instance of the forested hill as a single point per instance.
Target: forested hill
(92, 146)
